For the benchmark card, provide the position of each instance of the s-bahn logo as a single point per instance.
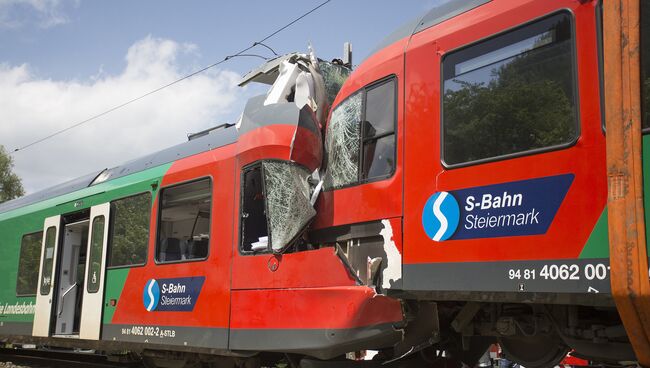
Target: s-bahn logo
(517, 208)
(151, 295)
(177, 294)
(440, 216)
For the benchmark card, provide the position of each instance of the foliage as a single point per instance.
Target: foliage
(10, 184)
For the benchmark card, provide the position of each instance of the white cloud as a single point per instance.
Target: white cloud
(33, 107)
(43, 13)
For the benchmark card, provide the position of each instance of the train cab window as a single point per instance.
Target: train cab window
(360, 140)
(645, 63)
(30, 253)
(275, 207)
(254, 226)
(184, 222)
(379, 131)
(96, 250)
(342, 143)
(510, 94)
(48, 259)
(129, 230)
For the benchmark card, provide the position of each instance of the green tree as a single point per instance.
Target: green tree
(10, 184)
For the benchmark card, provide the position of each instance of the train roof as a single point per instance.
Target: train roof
(215, 139)
(437, 15)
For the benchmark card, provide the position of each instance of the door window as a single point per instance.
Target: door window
(96, 254)
(48, 259)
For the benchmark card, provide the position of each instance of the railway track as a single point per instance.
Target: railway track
(32, 358)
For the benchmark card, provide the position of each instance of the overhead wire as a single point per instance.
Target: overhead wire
(241, 53)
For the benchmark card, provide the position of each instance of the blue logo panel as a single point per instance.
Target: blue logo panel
(177, 294)
(525, 207)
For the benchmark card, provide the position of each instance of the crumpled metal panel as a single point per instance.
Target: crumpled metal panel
(287, 201)
(342, 143)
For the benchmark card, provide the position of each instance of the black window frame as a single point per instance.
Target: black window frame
(576, 93)
(159, 220)
(38, 261)
(111, 228)
(362, 139)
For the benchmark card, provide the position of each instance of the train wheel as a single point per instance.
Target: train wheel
(470, 356)
(534, 351)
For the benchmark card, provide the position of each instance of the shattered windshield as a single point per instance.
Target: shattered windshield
(334, 77)
(288, 206)
(342, 143)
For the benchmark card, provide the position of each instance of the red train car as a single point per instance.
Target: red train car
(454, 196)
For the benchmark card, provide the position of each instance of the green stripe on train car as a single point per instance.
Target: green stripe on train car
(29, 219)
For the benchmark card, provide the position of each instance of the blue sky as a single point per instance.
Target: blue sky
(62, 61)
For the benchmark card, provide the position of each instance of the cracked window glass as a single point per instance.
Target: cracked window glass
(342, 143)
(334, 77)
(288, 206)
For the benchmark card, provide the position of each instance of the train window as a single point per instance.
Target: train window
(184, 222)
(342, 143)
(254, 227)
(287, 193)
(48, 259)
(96, 254)
(129, 230)
(379, 131)
(510, 94)
(30, 252)
(645, 63)
(276, 205)
(360, 140)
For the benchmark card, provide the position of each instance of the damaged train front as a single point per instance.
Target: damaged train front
(280, 154)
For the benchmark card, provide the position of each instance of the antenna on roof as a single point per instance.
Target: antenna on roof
(347, 55)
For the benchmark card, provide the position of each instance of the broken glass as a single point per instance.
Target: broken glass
(342, 143)
(334, 76)
(288, 208)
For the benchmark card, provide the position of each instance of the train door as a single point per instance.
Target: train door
(505, 156)
(93, 293)
(69, 280)
(46, 272)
